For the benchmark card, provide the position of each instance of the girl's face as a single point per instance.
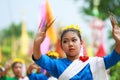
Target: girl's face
(71, 44)
(17, 69)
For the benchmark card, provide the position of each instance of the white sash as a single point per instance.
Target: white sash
(75, 67)
(98, 70)
(97, 67)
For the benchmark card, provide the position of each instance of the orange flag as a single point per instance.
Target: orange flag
(49, 17)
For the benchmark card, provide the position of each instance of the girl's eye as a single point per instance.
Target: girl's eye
(74, 40)
(64, 41)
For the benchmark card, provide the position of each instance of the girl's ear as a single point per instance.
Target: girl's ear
(61, 45)
(81, 42)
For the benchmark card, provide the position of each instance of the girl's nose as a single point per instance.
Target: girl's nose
(70, 43)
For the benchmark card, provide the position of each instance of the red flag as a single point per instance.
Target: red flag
(101, 51)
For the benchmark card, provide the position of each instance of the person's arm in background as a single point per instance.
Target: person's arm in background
(7, 66)
(30, 73)
(35, 76)
(31, 67)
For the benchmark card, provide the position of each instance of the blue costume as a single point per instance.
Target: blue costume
(37, 76)
(57, 66)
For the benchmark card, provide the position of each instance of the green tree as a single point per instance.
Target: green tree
(103, 8)
(6, 35)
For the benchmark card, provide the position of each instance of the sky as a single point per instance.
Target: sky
(65, 11)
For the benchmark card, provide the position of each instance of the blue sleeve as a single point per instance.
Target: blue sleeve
(47, 63)
(31, 76)
(111, 59)
(40, 76)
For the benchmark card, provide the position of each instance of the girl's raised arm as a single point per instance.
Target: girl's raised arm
(40, 36)
(115, 32)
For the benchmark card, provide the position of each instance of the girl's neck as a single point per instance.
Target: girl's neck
(71, 58)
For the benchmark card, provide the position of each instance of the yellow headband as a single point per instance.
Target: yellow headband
(18, 60)
(76, 27)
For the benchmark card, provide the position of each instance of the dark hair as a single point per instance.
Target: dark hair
(15, 64)
(71, 29)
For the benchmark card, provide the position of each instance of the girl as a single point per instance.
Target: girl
(75, 67)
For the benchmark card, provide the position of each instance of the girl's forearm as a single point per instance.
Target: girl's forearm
(36, 52)
(117, 48)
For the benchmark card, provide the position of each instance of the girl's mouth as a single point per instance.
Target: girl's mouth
(71, 49)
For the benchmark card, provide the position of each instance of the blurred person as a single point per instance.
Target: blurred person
(38, 75)
(4, 70)
(16, 69)
(1, 73)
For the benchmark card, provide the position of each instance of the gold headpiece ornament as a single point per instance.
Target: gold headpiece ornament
(76, 27)
(52, 54)
(18, 60)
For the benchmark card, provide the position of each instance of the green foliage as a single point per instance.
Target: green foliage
(103, 8)
(13, 30)
(31, 34)
(6, 47)
(6, 36)
(115, 72)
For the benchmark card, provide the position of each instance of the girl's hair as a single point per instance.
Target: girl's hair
(14, 63)
(70, 29)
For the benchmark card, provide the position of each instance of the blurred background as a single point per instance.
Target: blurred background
(19, 21)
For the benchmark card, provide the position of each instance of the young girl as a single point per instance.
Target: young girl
(75, 67)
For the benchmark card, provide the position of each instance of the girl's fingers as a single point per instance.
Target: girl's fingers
(41, 22)
(51, 23)
(45, 26)
(48, 25)
(113, 20)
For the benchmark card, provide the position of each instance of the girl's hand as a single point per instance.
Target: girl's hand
(115, 32)
(40, 36)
